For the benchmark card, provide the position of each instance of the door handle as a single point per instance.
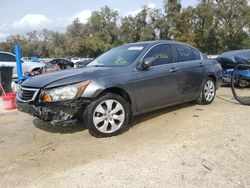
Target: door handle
(173, 69)
(200, 64)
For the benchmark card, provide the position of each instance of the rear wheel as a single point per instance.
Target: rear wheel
(208, 92)
(108, 116)
(243, 83)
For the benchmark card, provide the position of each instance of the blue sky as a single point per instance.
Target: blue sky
(21, 16)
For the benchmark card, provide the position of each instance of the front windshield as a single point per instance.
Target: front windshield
(118, 57)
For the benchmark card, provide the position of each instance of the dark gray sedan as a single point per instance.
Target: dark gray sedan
(123, 82)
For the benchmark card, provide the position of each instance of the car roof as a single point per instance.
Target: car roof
(7, 53)
(59, 59)
(235, 52)
(155, 42)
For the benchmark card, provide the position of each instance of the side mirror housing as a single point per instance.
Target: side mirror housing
(147, 62)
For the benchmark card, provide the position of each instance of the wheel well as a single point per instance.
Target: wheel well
(36, 69)
(213, 77)
(117, 91)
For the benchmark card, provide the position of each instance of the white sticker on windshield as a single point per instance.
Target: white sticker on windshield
(136, 48)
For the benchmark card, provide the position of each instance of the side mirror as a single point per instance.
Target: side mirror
(148, 62)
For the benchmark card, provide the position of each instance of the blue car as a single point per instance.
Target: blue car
(228, 60)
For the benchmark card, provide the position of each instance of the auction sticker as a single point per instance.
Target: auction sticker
(136, 48)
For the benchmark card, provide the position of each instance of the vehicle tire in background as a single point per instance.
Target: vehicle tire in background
(208, 92)
(108, 116)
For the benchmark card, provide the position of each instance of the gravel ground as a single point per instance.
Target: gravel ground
(184, 146)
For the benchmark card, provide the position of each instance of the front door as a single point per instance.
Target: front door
(157, 86)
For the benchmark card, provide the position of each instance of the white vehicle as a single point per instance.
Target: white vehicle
(75, 59)
(212, 56)
(9, 59)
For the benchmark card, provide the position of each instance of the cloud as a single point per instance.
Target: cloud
(27, 23)
(83, 16)
(152, 6)
(38, 22)
(3, 36)
(137, 11)
(32, 22)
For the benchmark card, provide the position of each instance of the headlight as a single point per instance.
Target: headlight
(64, 93)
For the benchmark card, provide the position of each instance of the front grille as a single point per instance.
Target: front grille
(27, 94)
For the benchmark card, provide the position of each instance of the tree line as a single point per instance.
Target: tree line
(213, 26)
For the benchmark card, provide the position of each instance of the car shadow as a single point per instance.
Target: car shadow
(227, 97)
(150, 115)
(68, 129)
(80, 126)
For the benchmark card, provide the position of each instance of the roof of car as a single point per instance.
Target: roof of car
(7, 53)
(154, 42)
(234, 52)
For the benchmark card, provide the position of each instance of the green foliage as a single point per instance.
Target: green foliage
(142, 27)
(213, 26)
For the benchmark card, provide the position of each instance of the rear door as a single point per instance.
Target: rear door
(157, 86)
(191, 70)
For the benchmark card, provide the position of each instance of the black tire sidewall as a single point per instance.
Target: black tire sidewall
(202, 99)
(91, 108)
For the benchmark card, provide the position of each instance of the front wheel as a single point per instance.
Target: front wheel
(208, 92)
(108, 116)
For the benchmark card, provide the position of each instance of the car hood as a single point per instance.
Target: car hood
(232, 59)
(37, 64)
(70, 76)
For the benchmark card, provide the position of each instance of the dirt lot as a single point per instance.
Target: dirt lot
(184, 146)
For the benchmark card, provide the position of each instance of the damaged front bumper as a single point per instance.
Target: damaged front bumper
(56, 113)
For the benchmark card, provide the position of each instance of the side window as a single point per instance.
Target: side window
(183, 53)
(7, 57)
(163, 54)
(197, 54)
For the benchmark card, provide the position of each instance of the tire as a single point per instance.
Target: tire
(243, 83)
(208, 92)
(108, 115)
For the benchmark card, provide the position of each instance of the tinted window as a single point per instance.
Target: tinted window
(183, 53)
(163, 54)
(7, 57)
(197, 54)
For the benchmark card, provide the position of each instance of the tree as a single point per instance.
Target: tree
(184, 26)
(233, 22)
(172, 9)
(103, 25)
(205, 27)
(58, 43)
(99, 34)
(143, 26)
(213, 26)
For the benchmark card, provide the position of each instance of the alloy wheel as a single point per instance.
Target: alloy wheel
(109, 116)
(209, 91)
